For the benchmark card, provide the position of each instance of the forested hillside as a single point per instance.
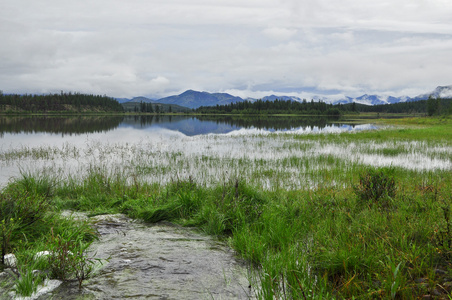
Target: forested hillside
(432, 106)
(63, 102)
(153, 108)
(273, 107)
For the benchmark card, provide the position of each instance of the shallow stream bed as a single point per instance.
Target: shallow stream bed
(161, 261)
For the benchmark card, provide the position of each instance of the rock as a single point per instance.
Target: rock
(41, 254)
(47, 287)
(440, 272)
(44, 254)
(435, 292)
(3, 275)
(10, 260)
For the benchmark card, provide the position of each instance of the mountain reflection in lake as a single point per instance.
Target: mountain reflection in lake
(188, 125)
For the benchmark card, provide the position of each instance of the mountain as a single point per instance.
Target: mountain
(135, 99)
(369, 100)
(142, 99)
(195, 99)
(122, 100)
(284, 98)
(439, 92)
(443, 92)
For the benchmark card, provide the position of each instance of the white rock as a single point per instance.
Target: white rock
(10, 260)
(49, 286)
(41, 254)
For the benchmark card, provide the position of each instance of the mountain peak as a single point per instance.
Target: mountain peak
(195, 99)
(443, 91)
(189, 92)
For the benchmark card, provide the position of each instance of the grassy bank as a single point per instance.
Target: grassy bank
(351, 230)
(305, 243)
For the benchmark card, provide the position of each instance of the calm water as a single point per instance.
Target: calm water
(189, 126)
(71, 145)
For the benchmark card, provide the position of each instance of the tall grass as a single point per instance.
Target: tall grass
(308, 243)
(29, 224)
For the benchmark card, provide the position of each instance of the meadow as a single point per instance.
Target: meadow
(334, 215)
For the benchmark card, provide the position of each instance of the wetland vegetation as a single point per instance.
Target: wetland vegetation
(362, 214)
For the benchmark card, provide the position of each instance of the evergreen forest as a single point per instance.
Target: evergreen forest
(431, 106)
(63, 102)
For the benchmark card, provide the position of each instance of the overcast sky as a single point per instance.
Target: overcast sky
(247, 48)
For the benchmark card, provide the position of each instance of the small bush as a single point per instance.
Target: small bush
(68, 253)
(376, 185)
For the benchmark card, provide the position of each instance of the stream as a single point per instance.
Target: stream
(160, 261)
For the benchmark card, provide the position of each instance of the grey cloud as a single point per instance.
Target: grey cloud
(160, 47)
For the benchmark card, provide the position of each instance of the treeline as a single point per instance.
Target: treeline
(63, 102)
(273, 107)
(153, 108)
(431, 107)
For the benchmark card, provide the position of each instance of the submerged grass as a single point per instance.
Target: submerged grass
(325, 226)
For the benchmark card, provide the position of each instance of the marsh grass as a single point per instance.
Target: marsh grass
(27, 283)
(29, 224)
(309, 243)
(270, 161)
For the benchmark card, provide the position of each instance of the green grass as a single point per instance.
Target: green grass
(29, 224)
(324, 242)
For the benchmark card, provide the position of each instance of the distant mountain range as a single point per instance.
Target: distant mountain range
(195, 99)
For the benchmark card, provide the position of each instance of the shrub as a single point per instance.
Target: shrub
(376, 185)
(67, 253)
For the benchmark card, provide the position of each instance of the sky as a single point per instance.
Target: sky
(248, 48)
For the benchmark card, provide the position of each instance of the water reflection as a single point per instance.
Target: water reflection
(58, 125)
(188, 125)
(192, 126)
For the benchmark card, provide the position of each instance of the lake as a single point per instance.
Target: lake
(33, 143)
(266, 151)
(187, 125)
